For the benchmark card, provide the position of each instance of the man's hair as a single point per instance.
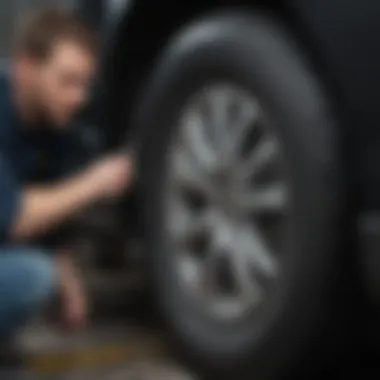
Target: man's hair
(40, 31)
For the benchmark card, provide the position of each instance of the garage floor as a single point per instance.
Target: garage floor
(116, 352)
(150, 370)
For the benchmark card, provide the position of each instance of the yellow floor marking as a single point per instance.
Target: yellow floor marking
(97, 356)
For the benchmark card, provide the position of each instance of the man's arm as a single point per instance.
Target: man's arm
(41, 209)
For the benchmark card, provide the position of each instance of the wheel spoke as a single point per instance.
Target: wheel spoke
(209, 275)
(248, 114)
(253, 250)
(267, 199)
(219, 102)
(198, 141)
(189, 174)
(261, 155)
(248, 286)
(186, 225)
(191, 270)
(227, 238)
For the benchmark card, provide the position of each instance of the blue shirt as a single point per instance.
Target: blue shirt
(28, 154)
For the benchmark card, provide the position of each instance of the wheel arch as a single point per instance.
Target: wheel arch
(137, 35)
(140, 31)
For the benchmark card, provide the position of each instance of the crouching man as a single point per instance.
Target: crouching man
(52, 67)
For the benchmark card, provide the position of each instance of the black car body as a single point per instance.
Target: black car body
(337, 38)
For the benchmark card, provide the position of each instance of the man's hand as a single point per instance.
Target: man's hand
(112, 175)
(74, 305)
(74, 300)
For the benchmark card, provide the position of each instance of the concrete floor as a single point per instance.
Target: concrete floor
(108, 352)
(147, 370)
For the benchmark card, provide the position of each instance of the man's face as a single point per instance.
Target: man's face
(61, 83)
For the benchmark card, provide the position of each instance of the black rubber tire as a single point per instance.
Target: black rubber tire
(256, 52)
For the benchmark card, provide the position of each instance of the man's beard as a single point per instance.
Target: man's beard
(37, 114)
(44, 119)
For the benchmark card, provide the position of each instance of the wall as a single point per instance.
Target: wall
(10, 10)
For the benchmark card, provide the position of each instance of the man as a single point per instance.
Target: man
(50, 74)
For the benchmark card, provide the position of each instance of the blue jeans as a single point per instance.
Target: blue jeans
(27, 278)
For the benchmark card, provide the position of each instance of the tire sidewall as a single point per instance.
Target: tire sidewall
(256, 54)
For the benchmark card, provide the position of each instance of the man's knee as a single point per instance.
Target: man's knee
(38, 277)
(27, 277)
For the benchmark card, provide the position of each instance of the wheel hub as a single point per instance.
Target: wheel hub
(218, 159)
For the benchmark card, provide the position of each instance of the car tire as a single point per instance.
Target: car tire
(256, 52)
